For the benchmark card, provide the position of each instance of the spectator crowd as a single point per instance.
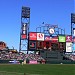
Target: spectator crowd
(9, 55)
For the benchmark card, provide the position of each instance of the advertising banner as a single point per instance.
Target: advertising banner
(14, 62)
(23, 36)
(33, 62)
(40, 36)
(73, 47)
(68, 47)
(73, 39)
(24, 28)
(62, 39)
(73, 31)
(32, 45)
(54, 39)
(32, 36)
(68, 38)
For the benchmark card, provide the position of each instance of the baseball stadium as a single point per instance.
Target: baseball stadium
(46, 51)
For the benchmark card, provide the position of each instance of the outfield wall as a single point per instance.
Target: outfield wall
(9, 61)
(47, 62)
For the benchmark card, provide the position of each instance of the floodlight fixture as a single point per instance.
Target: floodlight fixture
(72, 17)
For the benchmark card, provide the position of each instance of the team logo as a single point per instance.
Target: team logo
(47, 38)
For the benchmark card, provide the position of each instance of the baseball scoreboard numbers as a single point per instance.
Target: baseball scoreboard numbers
(54, 46)
(62, 46)
(39, 45)
(46, 45)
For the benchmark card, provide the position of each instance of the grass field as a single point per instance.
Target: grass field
(39, 69)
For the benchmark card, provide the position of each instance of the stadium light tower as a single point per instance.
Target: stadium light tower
(25, 23)
(72, 23)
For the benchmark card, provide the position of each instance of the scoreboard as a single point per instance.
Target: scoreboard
(38, 41)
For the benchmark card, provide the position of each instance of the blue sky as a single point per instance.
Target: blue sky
(48, 11)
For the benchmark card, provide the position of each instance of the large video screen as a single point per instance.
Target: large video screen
(32, 45)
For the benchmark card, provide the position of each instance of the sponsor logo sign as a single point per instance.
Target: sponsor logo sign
(68, 47)
(33, 62)
(73, 31)
(73, 46)
(68, 38)
(74, 39)
(24, 28)
(40, 36)
(32, 36)
(23, 36)
(62, 39)
(54, 39)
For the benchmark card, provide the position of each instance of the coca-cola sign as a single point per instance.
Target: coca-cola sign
(54, 39)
